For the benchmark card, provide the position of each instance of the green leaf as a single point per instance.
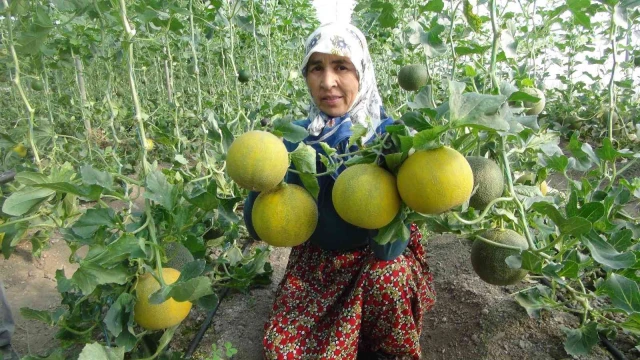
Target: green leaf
(90, 275)
(92, 176)
(395, 230)
(226, 212)
(592, 211)
(50, 318)
(550, 211)
(430, 41)
(570, 269)
(607, 151)
(632, 323)
(304, 159)
(531, 261)
(96, 351)
(387, 18)
(624, 293)
(393, 161)
(433, 6)
(192, 289)
(125, 247)
(476, 109)
(31, 178)
(159, 190)
(558, 163)
(522, 96)
(310, 183)
(204, 198)
(208, 302)
(534, 300)
(428, 139)
(358, 131)
(575, 226)
(24, 200)
(416, 121)
(192, 270)
(328, 150)
(97, 217)
(580, 341)
(91, 192)
(63, 284)
(605, 254)
(118, 316)
(621, 240)
(291, 132)
(423, 99)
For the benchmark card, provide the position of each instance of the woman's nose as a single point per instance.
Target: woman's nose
(329, 80)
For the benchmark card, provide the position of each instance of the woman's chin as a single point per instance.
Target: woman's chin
(334, 112)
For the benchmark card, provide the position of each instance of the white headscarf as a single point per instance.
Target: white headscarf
(346, 40)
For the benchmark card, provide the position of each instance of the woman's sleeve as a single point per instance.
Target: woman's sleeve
(388, 251)
(246, 212)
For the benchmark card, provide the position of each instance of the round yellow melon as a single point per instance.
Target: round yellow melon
(163, 315)
(366, 195)
(285, 216)
(434, 181)
(257, 160)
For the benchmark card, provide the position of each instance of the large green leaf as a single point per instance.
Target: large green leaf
(605, 254)
(534, 300)
(158, 189)
(395, 230)
(92, 176)
(304, 159)
(204, 198)
(119, 315)
(24, 200)
(291, 132)
(473, 109)
(580, 341)
(91, 192)
(91, 274)
(592, 211)
(632, 324)
(624, 293)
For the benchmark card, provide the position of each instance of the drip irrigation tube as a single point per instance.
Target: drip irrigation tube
(7, 176)
(617, 354)
(207, 322)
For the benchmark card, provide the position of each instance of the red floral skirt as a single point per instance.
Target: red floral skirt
(331, 305)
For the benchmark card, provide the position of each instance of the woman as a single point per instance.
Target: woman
(343, 295)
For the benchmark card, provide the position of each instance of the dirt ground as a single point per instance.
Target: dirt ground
(471, 319)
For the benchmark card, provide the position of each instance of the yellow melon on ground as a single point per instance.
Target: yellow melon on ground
(163, 315)
(366, 195)
(285, 216)
(257, 160)
(434, 181)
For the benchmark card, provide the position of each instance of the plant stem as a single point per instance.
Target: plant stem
(453, 49)
(194, 53)
(484, 212)
(522, 213)
(494, 45)
(16, 80)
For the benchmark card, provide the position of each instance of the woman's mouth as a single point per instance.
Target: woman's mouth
(331, 100)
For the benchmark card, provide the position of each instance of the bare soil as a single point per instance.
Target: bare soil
(471, 319)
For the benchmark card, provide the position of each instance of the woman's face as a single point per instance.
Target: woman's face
(333, 82)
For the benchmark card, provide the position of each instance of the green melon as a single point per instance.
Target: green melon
(487, 176)
(413, 77)
(177, 255)
(488, 261)
(537, 107)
